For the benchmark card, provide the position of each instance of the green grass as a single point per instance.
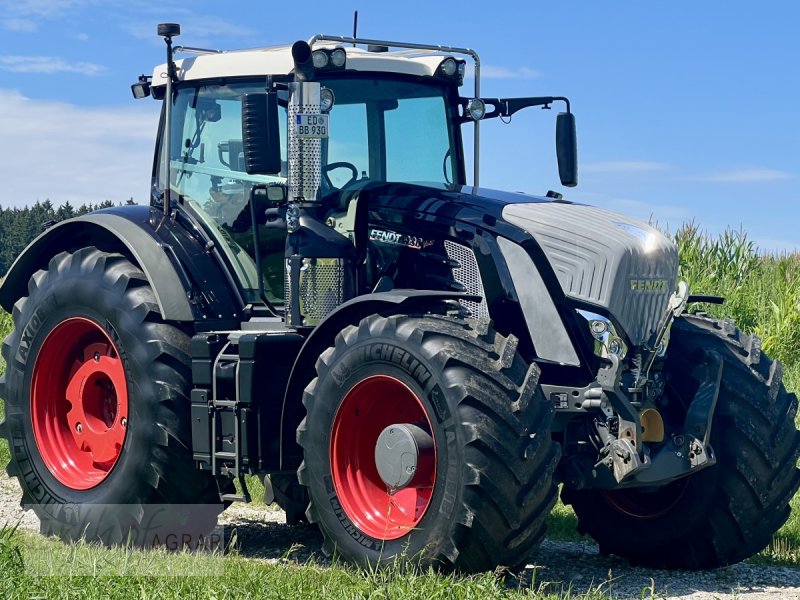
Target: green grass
(763, 296)
(36, 567)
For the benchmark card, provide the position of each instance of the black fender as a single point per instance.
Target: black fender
(349, 313)
(131, 233)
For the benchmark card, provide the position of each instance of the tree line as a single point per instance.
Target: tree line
(18, 226)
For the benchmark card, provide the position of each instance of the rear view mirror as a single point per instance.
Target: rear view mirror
(260, 134)
(208, 110)
(567, 149)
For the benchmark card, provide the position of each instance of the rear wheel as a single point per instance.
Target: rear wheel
(97, 409)
(427, 438)
(727, 512)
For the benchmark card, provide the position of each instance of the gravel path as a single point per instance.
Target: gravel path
(557, 566)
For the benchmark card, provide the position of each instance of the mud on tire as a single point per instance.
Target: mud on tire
(492, 487)
(727, 512)
(142, 495)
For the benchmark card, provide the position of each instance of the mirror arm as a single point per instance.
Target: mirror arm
(505, 107)
(513, 105)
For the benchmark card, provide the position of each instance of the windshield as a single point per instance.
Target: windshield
(381, 129)
(389, 130)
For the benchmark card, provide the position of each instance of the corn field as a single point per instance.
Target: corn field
(762, 292)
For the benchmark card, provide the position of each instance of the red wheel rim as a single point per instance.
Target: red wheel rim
(367, 409)
(79, 403)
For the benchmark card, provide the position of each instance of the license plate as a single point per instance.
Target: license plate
(311, 126)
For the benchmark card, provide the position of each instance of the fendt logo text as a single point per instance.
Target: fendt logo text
(649, 285)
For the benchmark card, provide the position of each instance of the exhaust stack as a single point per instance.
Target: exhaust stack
(320, 262)
(304, 152)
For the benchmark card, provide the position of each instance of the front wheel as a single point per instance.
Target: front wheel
(427, 438)
(729, 511)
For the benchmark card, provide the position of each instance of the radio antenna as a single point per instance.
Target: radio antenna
(355, 26)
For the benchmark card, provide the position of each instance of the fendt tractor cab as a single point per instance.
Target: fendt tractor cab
(318, 296)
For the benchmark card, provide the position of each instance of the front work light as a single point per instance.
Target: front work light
(141, 89)
(476, 108)
(338, 57)
(449, 67)
(326, 100)
(320, 59)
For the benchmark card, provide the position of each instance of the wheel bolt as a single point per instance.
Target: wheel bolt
(124, 422)
(96, 357)
(79, 428)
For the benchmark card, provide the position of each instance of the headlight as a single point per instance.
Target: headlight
(606, 339)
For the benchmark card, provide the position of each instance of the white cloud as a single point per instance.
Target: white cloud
(624, 166)
(500, 72)
(78, 154)
(198, 29)
(44, 8)
(746, 175)
(20, 25)
(47, 65)
(83, 37)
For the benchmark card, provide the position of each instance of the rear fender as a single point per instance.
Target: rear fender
(134, 236)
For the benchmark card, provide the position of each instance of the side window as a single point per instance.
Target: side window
(418, 141)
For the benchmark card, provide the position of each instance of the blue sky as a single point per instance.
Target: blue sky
(686, 110)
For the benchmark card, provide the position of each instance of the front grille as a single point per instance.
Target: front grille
(469, 276)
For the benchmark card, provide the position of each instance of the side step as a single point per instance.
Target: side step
(238, 380)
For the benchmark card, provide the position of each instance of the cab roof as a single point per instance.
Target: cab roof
(277, 60)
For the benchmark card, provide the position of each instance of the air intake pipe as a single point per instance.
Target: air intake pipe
(320, 262)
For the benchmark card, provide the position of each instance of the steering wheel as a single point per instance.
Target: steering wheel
(338, 165)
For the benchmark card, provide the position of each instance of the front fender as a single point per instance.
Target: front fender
(349, 313)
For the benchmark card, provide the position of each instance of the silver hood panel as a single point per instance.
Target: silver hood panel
(605, 259)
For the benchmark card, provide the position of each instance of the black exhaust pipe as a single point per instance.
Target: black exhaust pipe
(303, 65)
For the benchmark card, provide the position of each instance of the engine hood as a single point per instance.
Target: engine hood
(615, 263)
(604, 259)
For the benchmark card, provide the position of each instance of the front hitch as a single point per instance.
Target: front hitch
(687, 452)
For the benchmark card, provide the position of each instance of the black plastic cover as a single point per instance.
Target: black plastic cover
(260, 134)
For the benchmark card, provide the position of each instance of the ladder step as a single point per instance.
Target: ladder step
(235, 498)
(224, 403)
(225, 455)
(233, 357)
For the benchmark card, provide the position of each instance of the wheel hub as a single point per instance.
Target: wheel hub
(383, 460)
(404, 455)
(79, 403)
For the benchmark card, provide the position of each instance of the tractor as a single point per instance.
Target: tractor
(315, 295)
